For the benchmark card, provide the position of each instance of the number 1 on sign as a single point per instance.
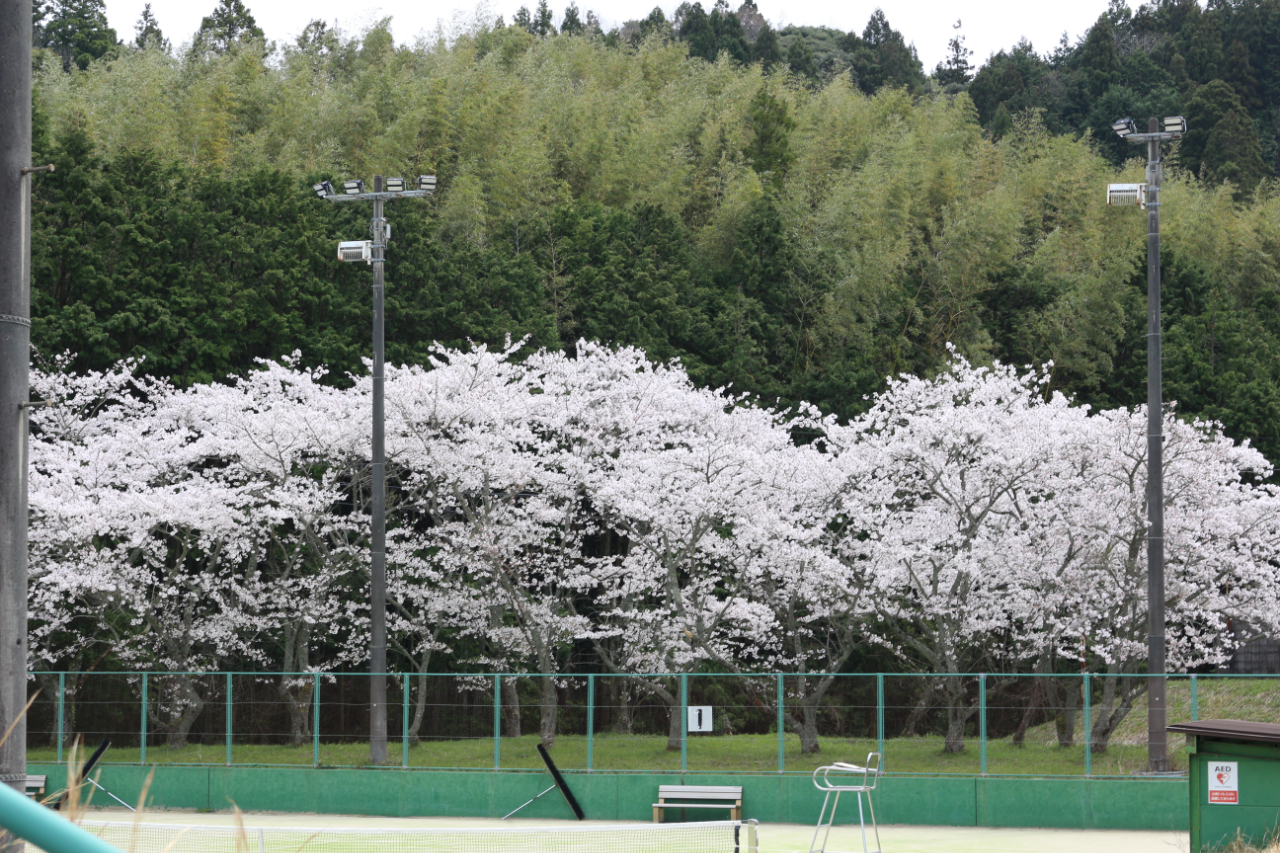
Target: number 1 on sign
(699, 718)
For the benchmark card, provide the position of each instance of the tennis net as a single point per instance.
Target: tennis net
(701, 837)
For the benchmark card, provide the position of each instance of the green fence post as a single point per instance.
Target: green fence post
(1195, 700)
(404, 722)
(880, 716)
(62, 698)
(142, 754)
(229, 709)
(497, 721)
(684, 723)
(1088, 728)
(315, 720)
(982, 722)
(591, 716)
(782, 753)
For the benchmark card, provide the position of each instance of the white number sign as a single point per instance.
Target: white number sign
(699, 718)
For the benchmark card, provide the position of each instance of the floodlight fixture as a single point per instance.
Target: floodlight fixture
(1174, 124)
(354, 251)
(427, 183)
(395, 185)
(1127, 195)
(1124, 127)
(324, 189)
(353, 187)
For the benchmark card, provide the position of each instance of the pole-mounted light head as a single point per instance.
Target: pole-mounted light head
(1124, 127)
(324, 189)
(353, 187)
(395, 185)
(1174, 124)
(427, 183)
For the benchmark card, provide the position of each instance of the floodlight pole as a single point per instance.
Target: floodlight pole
(15, 356)
(1157, 746)
(378, 570)
(378, 535)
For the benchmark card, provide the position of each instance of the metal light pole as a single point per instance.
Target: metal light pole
(374, 252)
(15, 356)
(1157, 746)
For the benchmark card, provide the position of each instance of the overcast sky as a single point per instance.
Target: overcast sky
(988, 25)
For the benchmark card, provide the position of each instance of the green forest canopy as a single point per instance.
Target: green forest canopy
(798, 214)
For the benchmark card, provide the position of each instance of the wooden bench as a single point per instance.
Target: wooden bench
(699, 797)
(35, 786)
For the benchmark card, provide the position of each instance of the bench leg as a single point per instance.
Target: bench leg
(657, 814)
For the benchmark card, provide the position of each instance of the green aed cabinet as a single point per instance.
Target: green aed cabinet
(1234, 775)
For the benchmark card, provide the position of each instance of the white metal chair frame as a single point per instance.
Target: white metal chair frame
(870, 776)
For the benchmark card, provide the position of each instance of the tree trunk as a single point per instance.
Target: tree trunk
(675, 729)
(296, 691)
(1117, 701)
(917, 713)
(1066, 701)
(1028, 715)
(184, 706)
(549, 712)
(806, 725)
(623, 721)
(510, 708)
(959, 710)
(419, 708)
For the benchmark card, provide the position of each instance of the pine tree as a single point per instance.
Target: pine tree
(77, 31)
(228, 24)
(766, 50)
(1099, 62)
(542, 22)
(769, 149)
(1239, 73)
(956, 68)
(1232, 153)
(147, 31)
(572, 24)
(800, 59)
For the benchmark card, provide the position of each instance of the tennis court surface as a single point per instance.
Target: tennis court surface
(187, 832)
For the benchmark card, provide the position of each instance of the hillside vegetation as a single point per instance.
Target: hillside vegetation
(791, 235)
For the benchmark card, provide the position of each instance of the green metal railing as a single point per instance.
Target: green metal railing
(998, 724)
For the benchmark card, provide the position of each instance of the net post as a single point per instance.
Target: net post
(1088, 727)
(684, 723)
(1195, 699)
(497, 721)
(880, 716)
(315, 719)
(405, 681)
(591, 716)
(229, 711)
(781, 731)
(982, 722)
(142, 754)
(62, 698)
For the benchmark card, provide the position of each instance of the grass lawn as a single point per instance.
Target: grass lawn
(1241, 698)
(738, 753)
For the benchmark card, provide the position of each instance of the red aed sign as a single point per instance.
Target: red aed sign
(1224, 782)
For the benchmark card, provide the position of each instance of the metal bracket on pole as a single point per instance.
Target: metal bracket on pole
(31, 170)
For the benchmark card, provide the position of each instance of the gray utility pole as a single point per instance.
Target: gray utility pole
(15, 355)
(1170, 129)
(374, 252)
(1157, 746)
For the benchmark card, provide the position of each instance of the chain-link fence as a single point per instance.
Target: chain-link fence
(968, 724)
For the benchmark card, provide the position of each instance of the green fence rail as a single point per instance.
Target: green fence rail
(977, 724)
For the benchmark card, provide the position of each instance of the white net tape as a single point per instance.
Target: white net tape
(704, 837)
